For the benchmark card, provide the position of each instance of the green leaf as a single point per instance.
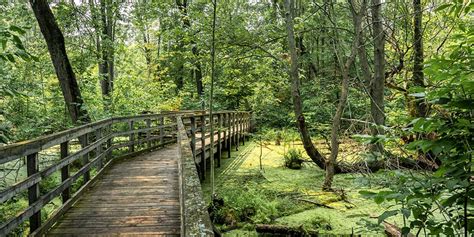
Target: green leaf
(451, 200)
(379, 199)
(3, 42)
(3, 138)
(405, 212)
(10, 58)
(418, 95)
(367, 194)
(386, 215)
(444, 6)
(405, 231)
(18, 42)
(17, 29)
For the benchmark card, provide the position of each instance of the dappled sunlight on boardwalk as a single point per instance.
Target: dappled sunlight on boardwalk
(136, 196)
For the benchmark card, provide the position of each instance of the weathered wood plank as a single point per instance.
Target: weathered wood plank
(195, 218)
(134, 195)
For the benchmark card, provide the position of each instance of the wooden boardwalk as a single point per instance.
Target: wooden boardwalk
(135, 197)
(139, 175)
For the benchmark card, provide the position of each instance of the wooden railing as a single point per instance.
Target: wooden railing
(230, 129)
(84, 152)
(194, 150)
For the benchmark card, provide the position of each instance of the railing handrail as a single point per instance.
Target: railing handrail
(16, 150)
(195, 220)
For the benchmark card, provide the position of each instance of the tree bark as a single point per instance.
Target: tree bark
(57, 50)
(364, 62)
(378, 80)
(420, 108)
(336, 124)
(283, 230)
(196, 72)
(106, 65)
(311, 150)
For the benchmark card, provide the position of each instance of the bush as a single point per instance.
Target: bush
(293, 159)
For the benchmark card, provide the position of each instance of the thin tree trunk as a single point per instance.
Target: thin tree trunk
(147, 50)
(57, 50)
(110, 49)
(420, 108)
(295, 90)
(213, 77)
(196, 72)
(106, 65)
(378, 81)
(364, 62)
(331, 162)
(103, 63)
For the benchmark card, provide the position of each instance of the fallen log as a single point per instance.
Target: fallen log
(315, 203)
(284, 230)
(393, 231)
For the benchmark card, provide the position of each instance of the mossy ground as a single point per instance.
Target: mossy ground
(280, 195)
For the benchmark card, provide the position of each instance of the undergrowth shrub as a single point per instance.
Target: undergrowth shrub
(250, 205)
(293, 159)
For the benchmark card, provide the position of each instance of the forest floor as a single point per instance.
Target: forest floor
(278, 195)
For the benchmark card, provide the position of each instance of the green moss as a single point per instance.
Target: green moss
(277, 194)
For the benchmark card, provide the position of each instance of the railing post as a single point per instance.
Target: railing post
(224, 131)
(242, 131)
(229, 135)
(232, 130)
(249, 125)
(203, 147)
(131, 147)
(219, 144)
(109, 142)
(85, 159)
(32, 168)
(148, 133)
(65, 170)
(236, 123)
(193, 137)
(98, 136)
(162, 130)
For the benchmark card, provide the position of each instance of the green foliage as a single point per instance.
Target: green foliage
(11, 208)
(247, 205)
(440, 203)
(12, 45)
(293, 159)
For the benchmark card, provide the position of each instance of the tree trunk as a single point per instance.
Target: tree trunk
(378, 80)
(364, 62)
(106, 65)
(295, 90)
(283, 230)
(196, 72)
(420, 108)
(331, 162)
(57, 50)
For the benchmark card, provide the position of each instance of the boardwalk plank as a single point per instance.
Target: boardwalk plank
(136, 197)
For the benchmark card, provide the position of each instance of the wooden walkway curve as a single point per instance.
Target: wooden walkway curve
(136, 196)
(126, 176)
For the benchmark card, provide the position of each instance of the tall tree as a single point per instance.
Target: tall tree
(313, 153)
(196, 71)
(106, 64)
(213, 78)
(377, 84)
(57, 50)
(420, 109)
(357, 17)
